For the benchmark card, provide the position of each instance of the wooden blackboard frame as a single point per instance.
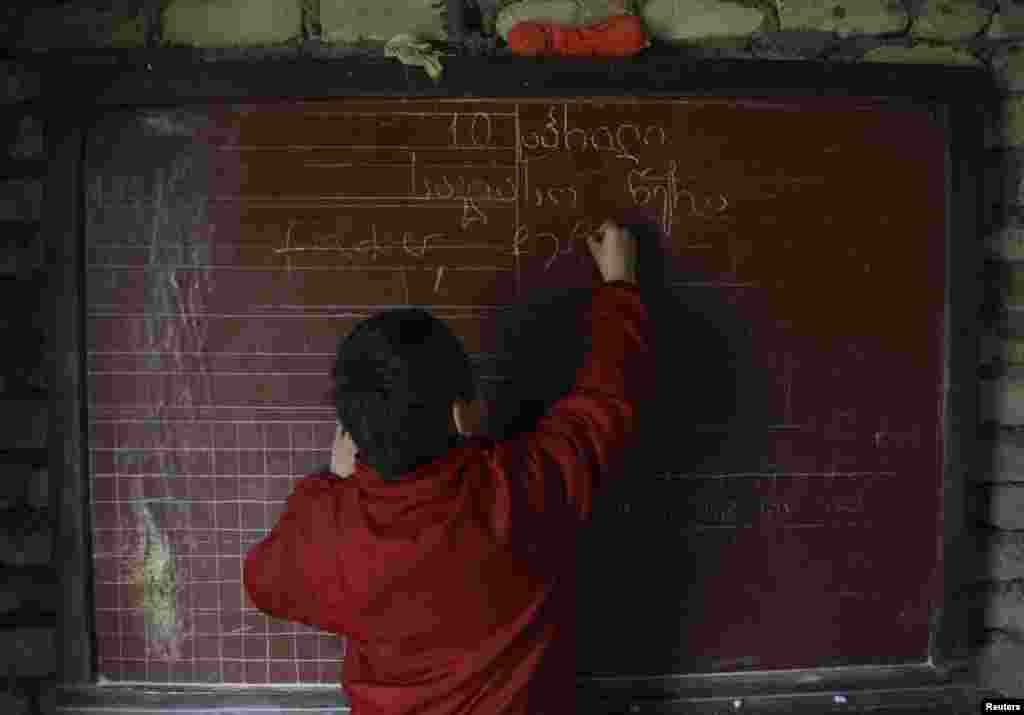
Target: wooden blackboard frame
(92, 84)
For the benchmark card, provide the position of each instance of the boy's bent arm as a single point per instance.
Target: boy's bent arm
(291, 573)
(581, 440)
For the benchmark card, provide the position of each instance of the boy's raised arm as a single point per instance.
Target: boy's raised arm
(579, 444)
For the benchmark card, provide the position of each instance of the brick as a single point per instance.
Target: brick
(1008, 67)
(1002, 353)
(846, 17)
(1009, 131)
(1007, 242)
(952, 20)
(30, 652)
(1002, 401)
(563, 12)
(1004, 555)
(1008, 22)
(999, 668)
(1004, 606)
(1012, 287)
(227, 23)
(700, 19)
(1000, 461)
(1009, 323)
(1004, 185)
(85, 25)
(1003, 504)
(355, 20)
(921, 54)
(598, 10)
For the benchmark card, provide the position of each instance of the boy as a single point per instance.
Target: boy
(447, 559)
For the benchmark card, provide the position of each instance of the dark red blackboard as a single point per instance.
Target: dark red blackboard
(784, 508)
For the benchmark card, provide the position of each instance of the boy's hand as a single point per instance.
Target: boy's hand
(614, 250)
(343, 454)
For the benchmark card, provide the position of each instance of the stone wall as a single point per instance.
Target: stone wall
(984, 33)
(29, 596)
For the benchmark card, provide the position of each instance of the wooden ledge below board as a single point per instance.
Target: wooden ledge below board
(875, 689)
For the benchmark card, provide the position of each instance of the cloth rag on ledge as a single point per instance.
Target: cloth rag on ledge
(410, 51)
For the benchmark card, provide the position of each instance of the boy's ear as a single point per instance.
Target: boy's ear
(469, 416)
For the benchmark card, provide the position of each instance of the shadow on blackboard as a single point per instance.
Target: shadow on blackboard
(637, 592)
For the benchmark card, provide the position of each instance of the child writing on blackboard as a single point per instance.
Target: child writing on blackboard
(447, 558)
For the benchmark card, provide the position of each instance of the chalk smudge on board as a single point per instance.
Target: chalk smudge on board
(153, 574)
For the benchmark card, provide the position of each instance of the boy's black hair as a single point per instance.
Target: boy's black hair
(395, 379)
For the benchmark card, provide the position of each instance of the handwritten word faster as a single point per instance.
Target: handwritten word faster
(332, 243)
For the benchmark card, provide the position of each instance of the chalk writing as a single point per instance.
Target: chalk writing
(480, 132)
(579, 232)
(333, 243)
(623, 140)
(557, 194)
(521, 236)
(438, 193)
(521, 243)
(471, 212)
(422, 251)
(476, 188)
(555, 251)
(644, 187)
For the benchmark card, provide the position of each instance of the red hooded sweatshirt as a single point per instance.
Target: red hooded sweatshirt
(456, 586)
